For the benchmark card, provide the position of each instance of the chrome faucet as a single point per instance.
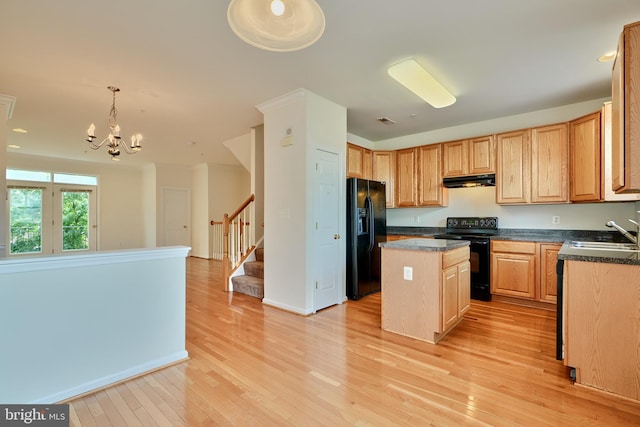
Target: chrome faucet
(624, 232)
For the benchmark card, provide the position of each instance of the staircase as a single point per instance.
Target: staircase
(252, 282)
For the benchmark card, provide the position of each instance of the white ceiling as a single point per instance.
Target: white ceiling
(188, 83)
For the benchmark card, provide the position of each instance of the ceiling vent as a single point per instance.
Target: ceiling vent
(385, 120)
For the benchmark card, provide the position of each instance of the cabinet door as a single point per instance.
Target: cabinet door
(482, 155)
(625, 98)
(617, 120)
(406, 177)
(367, 164)
(384, 171)
(464, 287)
(430, 189)
(585, 158)
(454, 158)
(513, 274)
(354, 161)
(548, 277)
(550, 164)
(449, 297)
(512, 177)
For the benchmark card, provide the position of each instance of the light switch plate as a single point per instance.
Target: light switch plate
(408, 273)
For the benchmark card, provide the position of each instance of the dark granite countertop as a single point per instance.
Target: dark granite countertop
(521, 234)
(434, 245)
(567, 252)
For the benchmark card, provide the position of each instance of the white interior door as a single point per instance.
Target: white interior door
(327, 251)
(176, 217)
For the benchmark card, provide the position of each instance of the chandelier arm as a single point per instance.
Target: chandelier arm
(95, 146)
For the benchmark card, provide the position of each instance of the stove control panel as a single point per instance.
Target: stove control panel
(466, 223)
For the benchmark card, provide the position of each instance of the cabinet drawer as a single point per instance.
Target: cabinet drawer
(455, 256)
(513, 247)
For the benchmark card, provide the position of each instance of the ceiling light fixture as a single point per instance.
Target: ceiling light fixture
(19, 130)
(277, 25)
(113, 140)
(414, 77)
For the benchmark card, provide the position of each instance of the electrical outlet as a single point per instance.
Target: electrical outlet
(408, 273)
(555, 220)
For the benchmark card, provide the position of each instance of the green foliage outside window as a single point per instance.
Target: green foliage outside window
(25, 217)
(75, 220)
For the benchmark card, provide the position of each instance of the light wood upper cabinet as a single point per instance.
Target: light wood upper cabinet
(455, 160)
(532, 165)
(430, 189)
(384, 166)
(359, 162)
(625, 101)
(585, 158)
(406, 177)
(513, 168)
(550, 164)
(468, 157)
(354, 161)
(607, 192)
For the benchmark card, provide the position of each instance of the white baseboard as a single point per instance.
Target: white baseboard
(99, 383)
(286, 307)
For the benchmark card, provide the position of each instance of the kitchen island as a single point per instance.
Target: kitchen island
(425, 286)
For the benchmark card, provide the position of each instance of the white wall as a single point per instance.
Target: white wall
(229, 186)
(257, 177)
(120, 197)
(6, 107)
(312, 122)
(81, 322)
(200, 232)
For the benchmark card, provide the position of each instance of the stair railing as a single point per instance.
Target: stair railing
(239, 237)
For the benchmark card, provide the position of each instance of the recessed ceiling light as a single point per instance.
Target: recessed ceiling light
(415, 78)
(19, 130)
(13, 146)
(609, 56)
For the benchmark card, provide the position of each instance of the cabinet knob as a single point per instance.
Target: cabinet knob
(336, 236)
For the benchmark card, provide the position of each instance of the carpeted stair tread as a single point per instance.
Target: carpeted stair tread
(260, 254)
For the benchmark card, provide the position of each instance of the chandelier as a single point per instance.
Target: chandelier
(113, 140)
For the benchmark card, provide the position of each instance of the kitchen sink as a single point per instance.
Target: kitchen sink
(605, 246)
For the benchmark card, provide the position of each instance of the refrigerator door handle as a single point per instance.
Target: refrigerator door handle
(372, 231)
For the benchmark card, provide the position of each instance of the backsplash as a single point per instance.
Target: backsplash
(480, 201)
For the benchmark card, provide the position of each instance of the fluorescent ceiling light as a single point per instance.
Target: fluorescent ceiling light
(19, 130)
(609, 56)
(415, 78)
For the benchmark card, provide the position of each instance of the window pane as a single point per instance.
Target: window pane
(65, 178)
(75, 220)
(21, 175)
(25, 220)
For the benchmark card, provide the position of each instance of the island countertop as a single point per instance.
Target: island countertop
(436, 245)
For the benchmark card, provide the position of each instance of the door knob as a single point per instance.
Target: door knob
(336, 236)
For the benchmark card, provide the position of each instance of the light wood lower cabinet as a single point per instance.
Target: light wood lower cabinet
(436, 297)
(513, 269)
(602, 325)
(524, 270)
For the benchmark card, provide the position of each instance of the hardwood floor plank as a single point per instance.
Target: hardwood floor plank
(252, 364)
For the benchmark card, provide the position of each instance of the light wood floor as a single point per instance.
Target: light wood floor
(259, 366)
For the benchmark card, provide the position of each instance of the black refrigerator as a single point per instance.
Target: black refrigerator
(366, 227)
